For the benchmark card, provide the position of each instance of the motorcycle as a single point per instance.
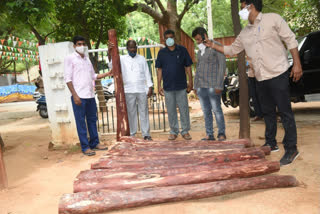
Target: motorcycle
(230, 95)
(42, 106)
(108, 91)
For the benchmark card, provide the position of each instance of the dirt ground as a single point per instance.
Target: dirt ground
(38, 177)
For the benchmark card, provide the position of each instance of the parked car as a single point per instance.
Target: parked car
(309, 52)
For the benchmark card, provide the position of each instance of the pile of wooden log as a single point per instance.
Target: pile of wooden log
(137, 173)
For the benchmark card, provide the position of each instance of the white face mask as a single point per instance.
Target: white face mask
(82, 49)
(202, 48)
(244, 13)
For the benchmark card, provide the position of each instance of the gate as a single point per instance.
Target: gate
(107, 118)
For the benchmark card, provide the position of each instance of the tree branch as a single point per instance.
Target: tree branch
(146, 9)
(160, 5)
(37, 34)
(187, 6)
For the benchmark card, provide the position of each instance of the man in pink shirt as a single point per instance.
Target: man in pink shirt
(79, 76)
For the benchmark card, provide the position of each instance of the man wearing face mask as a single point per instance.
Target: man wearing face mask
(173, 63)
(208, 83)
(79, 76)
(262, 40)
(136, 79)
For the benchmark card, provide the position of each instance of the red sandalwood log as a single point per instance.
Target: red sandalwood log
(157, 180)
(100, 201)
(122, 115)
(130, 173)
(218, 157)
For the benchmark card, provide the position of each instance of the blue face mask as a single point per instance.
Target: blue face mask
(170, 42)
(132, 54)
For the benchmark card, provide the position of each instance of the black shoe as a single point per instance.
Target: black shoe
(289, 156)
(210, 137)
(273, 148)
(147, 138)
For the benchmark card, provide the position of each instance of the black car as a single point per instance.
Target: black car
(309, 51)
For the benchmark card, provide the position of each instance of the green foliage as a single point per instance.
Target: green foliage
(142, 25)
(90, 18)
(221, 18)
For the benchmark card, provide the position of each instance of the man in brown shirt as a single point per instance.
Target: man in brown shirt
(262, 40)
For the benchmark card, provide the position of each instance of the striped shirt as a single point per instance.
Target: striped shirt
(211, 67)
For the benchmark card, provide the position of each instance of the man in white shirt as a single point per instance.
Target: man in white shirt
(137, 87)
(79, 76)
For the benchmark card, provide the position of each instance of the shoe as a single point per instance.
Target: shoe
(172, 137)
(100, 147)
(187, 136)
(89, 152)
(209, 137)
(256, 118)
(289, 156)
(147, 138)
(222, 137)
(273, 148)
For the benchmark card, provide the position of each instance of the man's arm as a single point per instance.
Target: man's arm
(159, 78)
(235, 48)
(99, 76)
(296, 71)
(148, 78)
(75, 96)
(220, 73)
(190, 79)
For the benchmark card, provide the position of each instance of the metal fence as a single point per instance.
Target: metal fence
(107, 119)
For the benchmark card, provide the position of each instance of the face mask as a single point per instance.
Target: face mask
(170, 42)
(132, 54)
(244, 13)
(202, 48)
(82, 49)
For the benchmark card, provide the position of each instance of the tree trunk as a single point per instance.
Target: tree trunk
(106, 200)
(122, 114)
(192, 177)
(3, 173)
(244, 131)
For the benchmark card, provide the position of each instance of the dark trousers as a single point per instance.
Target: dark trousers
(275, 93)
(87, 111)
(254, 95)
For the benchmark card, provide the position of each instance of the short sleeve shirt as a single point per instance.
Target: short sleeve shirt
(173, 65)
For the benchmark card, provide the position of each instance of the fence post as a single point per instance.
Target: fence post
(3, 174)
(122, 114)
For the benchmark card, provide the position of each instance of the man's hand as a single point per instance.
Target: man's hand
(161, 91)
(296, 73)
(110, 46)
(217, 91)
(209, 43)
(150, 92)
(77, 100)
(189, 88)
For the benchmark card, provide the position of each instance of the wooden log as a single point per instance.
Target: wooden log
(192, 160)
(157, 180)
(100, 201)
(3, 173)
(155, 143)
(122, 115)
(130, 173)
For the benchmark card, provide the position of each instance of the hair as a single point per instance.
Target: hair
(199, 30)
(257, 3)
(131, 41)
(77, 39)
(168, 32)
